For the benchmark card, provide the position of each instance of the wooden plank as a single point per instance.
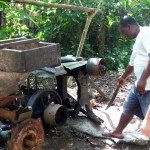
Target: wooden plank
(16, 43)
(12, 40)
(46, 56)
(12, 60)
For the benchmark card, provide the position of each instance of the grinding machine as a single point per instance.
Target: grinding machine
(21, 127)
(80, 70)
(28, 111)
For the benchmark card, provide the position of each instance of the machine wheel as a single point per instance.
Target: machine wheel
(41, 99)
(28, 135)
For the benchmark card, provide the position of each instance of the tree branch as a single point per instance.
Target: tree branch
(61, 6)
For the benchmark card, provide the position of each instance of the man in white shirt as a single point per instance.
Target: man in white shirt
(138, 100)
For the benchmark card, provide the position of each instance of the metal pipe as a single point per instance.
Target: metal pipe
(6, 114)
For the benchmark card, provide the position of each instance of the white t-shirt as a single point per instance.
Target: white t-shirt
(139, 57)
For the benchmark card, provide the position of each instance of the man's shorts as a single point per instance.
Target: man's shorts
(136, 104)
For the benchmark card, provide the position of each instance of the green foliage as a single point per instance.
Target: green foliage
(117, 58)
(117, 48)
(65, 27)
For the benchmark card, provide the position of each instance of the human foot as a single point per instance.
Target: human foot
(145, 130)
(113, 135)
(145, 127)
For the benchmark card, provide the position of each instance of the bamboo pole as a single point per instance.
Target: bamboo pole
(83, 37)
(51, 5)
(80, 3)
(86, 27)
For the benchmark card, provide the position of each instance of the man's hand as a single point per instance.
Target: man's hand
(128, 71)
(121, 81)
(141, 86)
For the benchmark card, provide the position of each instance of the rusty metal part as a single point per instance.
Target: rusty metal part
(22, 114)
(113, 98)
(55, 114)
(27, 135)
(17, 114)
(7, 114)
(9, 82)
(7, 101)
(96, 66)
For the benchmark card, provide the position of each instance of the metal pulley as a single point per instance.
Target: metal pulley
(96, 66)
(55, 114)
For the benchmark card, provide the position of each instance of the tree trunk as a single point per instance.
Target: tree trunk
(101, 37)
(2, 20)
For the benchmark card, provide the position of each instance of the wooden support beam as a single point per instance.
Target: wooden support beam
(51, 5)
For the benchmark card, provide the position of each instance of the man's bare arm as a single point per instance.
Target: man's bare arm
(128, 71)
(142, 82)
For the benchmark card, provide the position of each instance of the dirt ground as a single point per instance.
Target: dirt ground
(67, 138)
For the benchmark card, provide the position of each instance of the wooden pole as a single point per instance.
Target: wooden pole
(86, 27)
(61, 6)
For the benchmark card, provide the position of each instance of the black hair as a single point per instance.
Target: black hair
(126, 20)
